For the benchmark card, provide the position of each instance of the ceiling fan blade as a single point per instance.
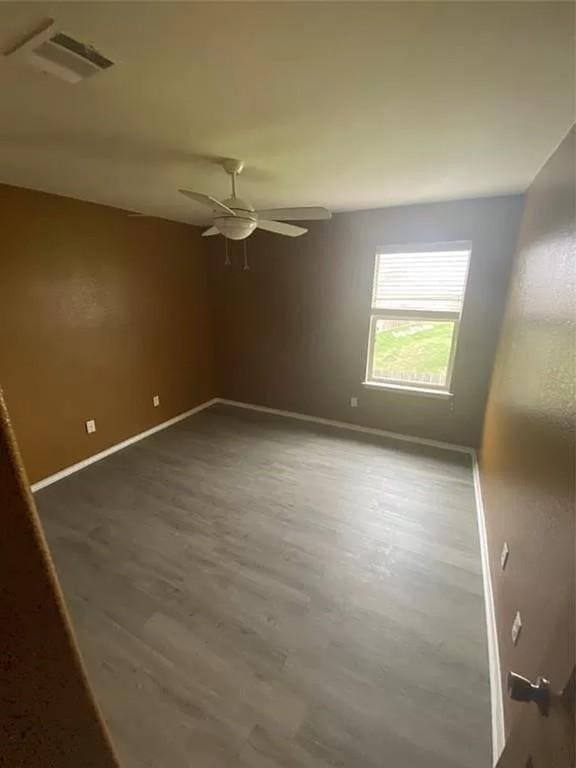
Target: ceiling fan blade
(210, 232)
(295, 214)
(211, 202)
(280, 228)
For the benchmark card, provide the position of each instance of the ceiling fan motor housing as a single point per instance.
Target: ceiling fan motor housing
(237, 204)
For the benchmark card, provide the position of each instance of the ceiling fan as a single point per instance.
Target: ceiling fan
(236, 219)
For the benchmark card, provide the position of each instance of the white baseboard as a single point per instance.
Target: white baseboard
(496, 700)
(353, 427)
(118, 447)
(250, 406)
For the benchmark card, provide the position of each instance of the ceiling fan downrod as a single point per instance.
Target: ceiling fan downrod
(233, 168)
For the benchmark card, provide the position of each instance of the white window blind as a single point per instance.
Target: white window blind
(430, 281)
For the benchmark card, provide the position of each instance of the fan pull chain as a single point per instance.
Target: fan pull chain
(246, 265)
(227, 261)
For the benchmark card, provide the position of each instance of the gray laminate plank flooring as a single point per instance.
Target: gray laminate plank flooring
(251, 591)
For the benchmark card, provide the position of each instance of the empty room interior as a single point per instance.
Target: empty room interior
(287, 365)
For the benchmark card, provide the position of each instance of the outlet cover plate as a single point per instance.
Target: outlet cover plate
(353, 402)
(90, 426)
(156, 401)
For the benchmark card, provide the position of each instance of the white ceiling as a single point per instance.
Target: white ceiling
(350, 105)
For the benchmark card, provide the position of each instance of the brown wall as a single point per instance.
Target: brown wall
(98, 312)
(293, 331)
(528, 457)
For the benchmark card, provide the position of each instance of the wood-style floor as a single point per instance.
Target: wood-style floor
(251, 591)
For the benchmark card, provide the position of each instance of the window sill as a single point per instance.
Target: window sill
(441, 394)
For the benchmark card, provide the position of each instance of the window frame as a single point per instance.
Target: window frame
(372, 381)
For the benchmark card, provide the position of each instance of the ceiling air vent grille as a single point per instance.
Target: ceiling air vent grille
(60, 55)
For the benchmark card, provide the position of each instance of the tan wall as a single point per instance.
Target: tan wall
(98, 312)
(293, 331)
(528, 456)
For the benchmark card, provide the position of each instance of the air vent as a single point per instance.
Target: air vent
(56, 53)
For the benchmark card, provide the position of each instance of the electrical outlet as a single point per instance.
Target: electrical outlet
(90, 426)
(156, 401)
(504, 555)
(516, 627)
(353, 402)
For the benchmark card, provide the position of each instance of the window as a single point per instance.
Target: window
(416, 307)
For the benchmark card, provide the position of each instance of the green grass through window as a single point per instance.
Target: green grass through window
(412, 350)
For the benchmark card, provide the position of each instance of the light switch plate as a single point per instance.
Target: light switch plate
(516, 627)
(90, 426)
(353, 402)
(504, 555)
(156, 401)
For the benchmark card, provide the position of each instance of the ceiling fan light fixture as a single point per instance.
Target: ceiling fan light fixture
(236, 219)
(235, 227)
